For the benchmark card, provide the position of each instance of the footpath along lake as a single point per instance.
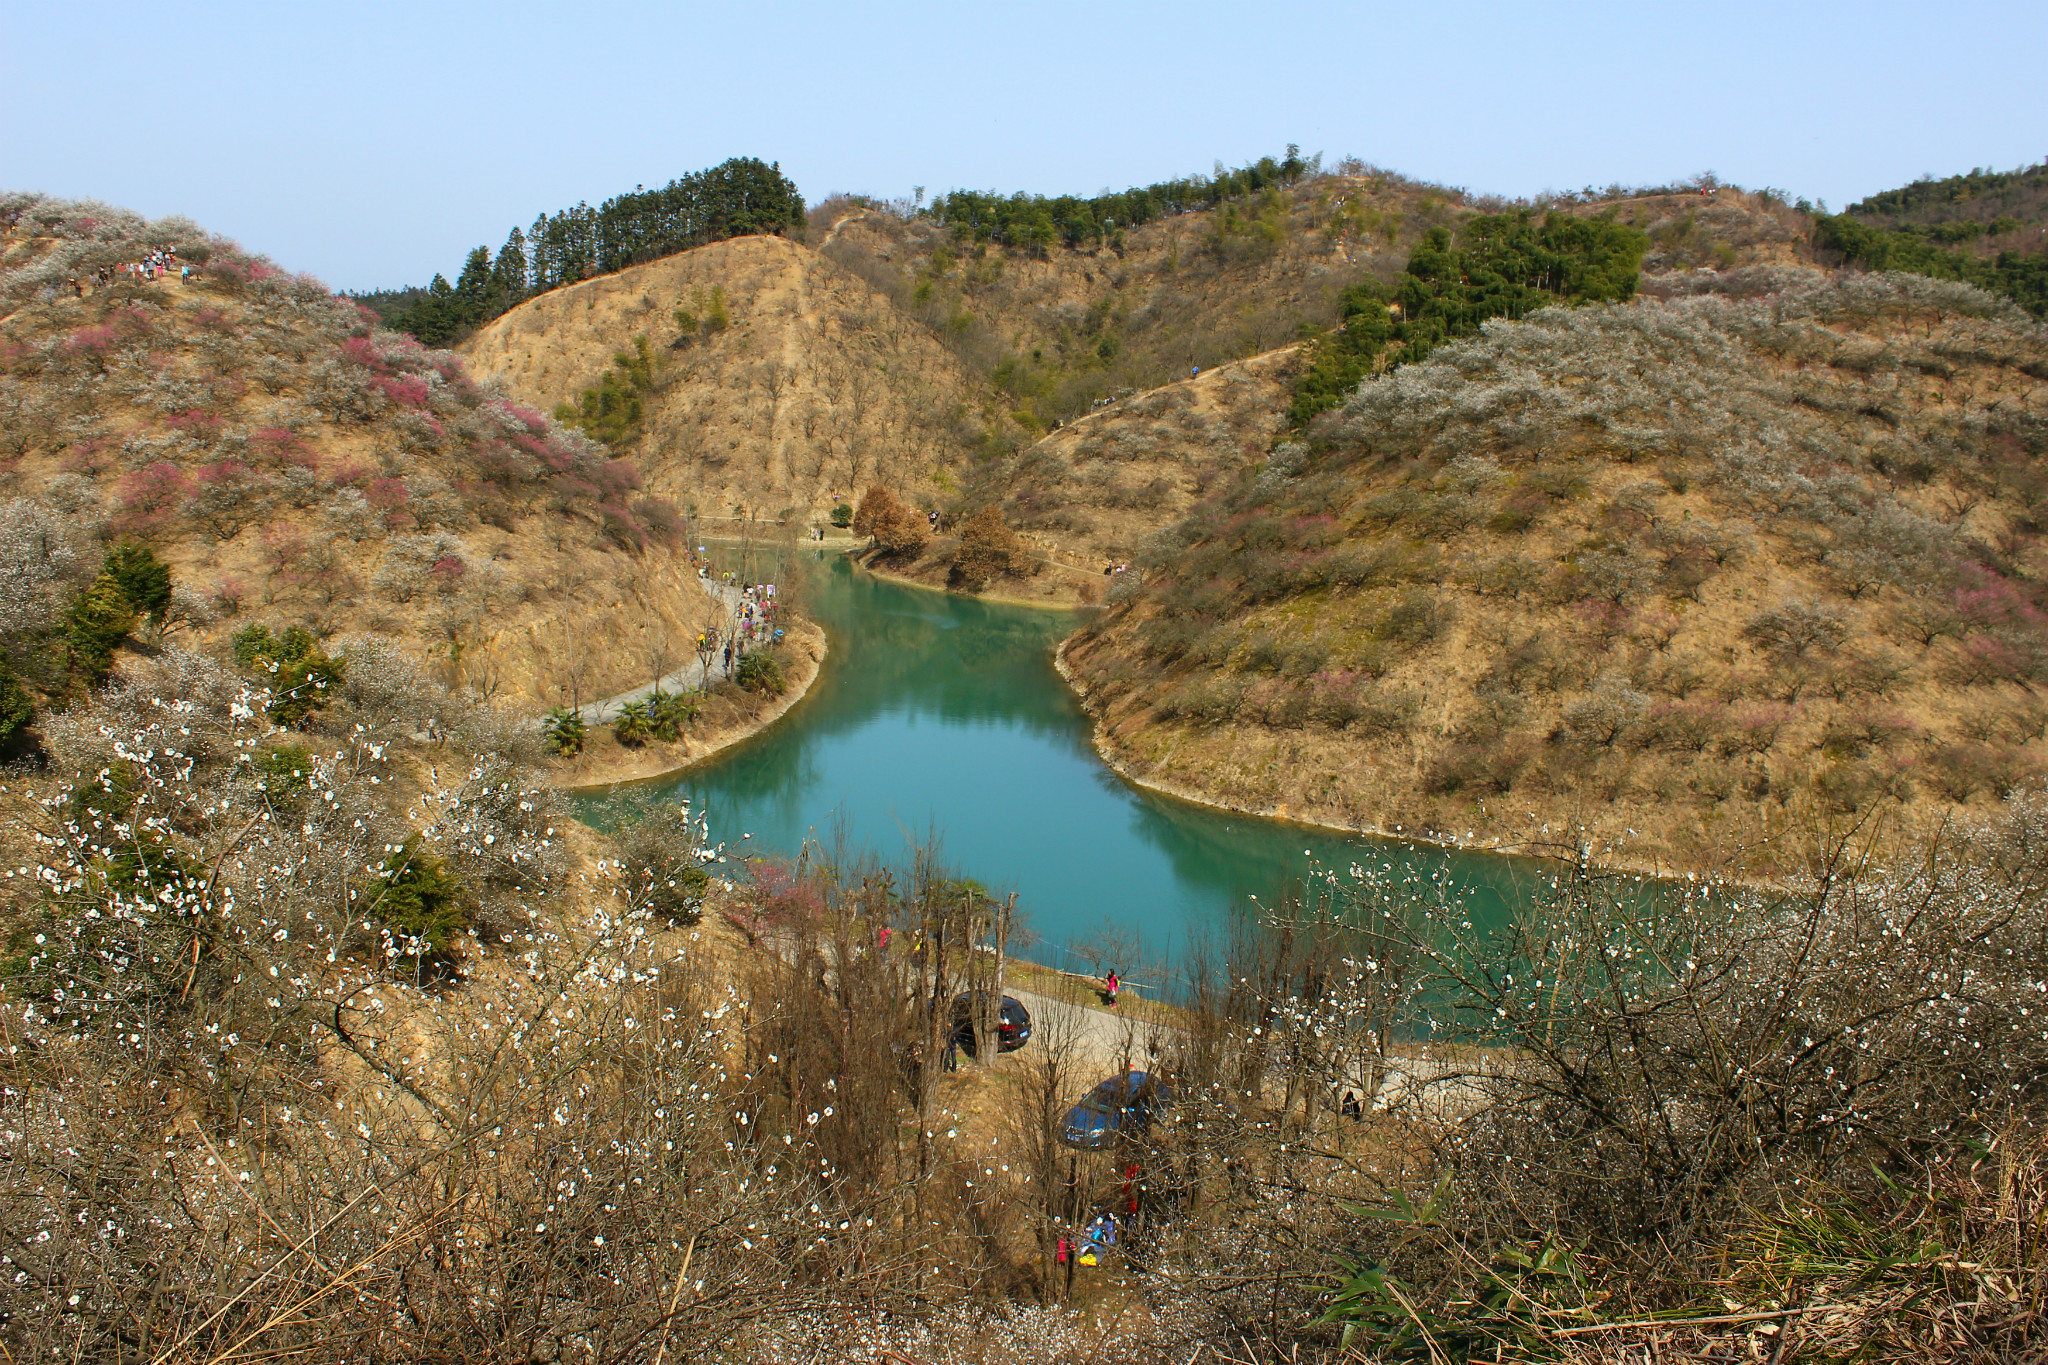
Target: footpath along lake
(943, 715)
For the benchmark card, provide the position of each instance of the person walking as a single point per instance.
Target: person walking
(1110, 984)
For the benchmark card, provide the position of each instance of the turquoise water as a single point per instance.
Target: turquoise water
(939, 716)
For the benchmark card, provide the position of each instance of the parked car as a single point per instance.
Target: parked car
(1122, 1106)
(1013, 1024)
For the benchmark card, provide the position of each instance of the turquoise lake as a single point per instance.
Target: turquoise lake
(941, 717)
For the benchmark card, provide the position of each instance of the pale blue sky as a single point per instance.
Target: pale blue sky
(373, 143)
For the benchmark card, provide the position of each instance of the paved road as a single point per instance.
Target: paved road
(690, 676)
(1102, 1038)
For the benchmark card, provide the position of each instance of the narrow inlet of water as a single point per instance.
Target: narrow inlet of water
(941, 717)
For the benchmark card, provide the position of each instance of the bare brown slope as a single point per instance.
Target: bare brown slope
(1676, 572)
(296, 467)
(1091, 494)
(817, 387)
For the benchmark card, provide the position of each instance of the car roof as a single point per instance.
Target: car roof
(1116, 1084)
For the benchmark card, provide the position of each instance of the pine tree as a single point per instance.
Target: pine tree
(540, 265)
(508, 276)
(473, 290)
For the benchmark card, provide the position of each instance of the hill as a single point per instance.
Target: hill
(734, 199)
(1059, 326)
(1984, 210)
(1989, 228)
(295, 464)
(1088, 493)
(1665, 570)
(773, 379)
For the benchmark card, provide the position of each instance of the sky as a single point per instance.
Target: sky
(373, 144)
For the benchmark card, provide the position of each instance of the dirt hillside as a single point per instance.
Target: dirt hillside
(816, 386)
(294, 465)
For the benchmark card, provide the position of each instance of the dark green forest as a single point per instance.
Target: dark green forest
(739, 198)
(1499, 265)
(2022, 276)
(1957, 208)
(1035, 222)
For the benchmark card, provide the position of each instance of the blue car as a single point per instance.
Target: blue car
(1120, 1106)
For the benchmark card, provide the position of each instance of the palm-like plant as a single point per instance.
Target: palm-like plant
(670, 714)
(632, 726)
(564, 730)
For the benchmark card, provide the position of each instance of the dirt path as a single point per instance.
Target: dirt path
(849, 218)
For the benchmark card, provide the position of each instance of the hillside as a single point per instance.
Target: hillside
(293, 464)
(1981, 211)
(1089, 493)
(1056, 329)
(1671, 571)
(791, 382)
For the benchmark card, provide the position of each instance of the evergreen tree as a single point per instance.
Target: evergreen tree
(144, 579)
(508, 276)
(473, 290)
(737, 198)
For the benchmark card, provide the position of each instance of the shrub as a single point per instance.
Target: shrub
(1607, 714)
(842, 516)
(143, 578)
(662, 852)
(1415, 620)
(17, 709)
(988, 549)
(760, 672)
(1960, 771)
(1490, 768)
(1791, 629)
(630, 727)
(151, 497)
(95, 627)
(670, 714)
(419, 905)
(564, 730)
(1756, 729)
(285, 773)
(896, 529)
(1692, 726)
(302, 679)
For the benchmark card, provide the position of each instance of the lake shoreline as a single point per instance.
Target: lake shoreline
(905, 580)
(593, 773)
(1177, 791)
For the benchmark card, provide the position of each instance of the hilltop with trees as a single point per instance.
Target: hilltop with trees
(737, 198)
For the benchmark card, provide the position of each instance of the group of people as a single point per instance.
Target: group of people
(1111, 570)
(157, 265)
(1091, 1244)
(751, 622)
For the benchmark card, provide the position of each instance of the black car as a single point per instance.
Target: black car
(1122, 1106)
(1013, 1024)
